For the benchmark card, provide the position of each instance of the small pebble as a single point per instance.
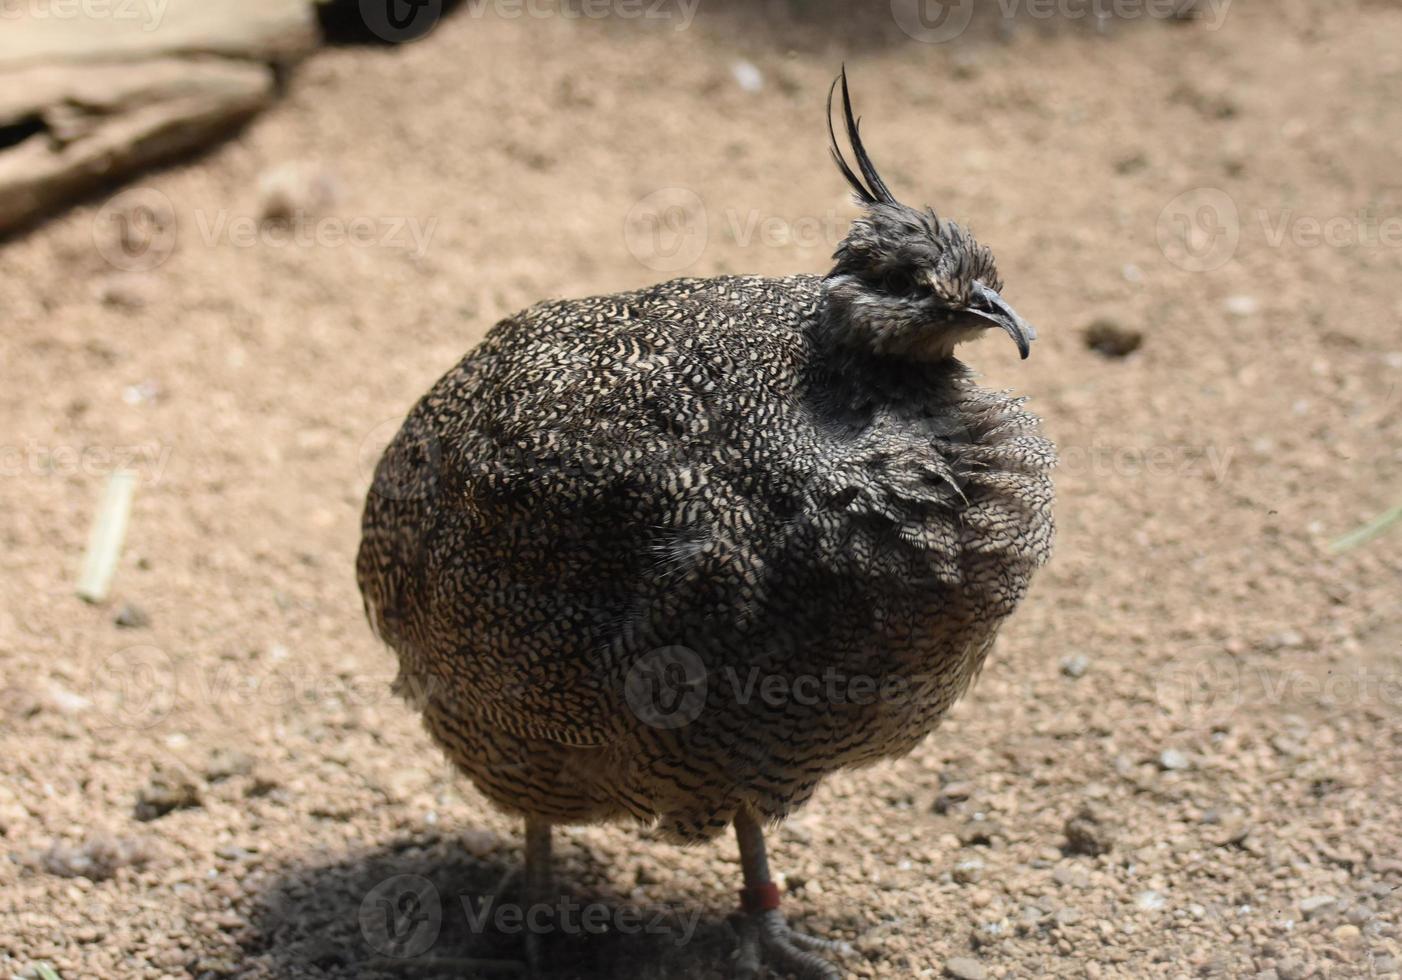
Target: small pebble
(1316, 905)
(1285, 640)
(1071, 877)
(646, 874)
(1173, 760)
(964, 968)
(140, 394)
(952, 794)
(968, 872)
(292, 190)
(232, 852)
(1075, 666)
(979, 832)
(67, 702)
(964, 64)
(132, 617)
(1241, 305)
(1150, 900)
(128, 290)
(259, 786)
(1236, 835)
(225, 763)
(747, 76)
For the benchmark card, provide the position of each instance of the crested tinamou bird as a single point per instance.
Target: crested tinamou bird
(676, 555)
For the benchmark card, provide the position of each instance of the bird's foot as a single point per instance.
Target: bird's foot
(766, 939)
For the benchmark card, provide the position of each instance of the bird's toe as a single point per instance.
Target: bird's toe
(767, 940)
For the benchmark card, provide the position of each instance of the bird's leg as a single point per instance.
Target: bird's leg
(538, 886)
(764, 935)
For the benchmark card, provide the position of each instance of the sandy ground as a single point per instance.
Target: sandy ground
(1203, 695)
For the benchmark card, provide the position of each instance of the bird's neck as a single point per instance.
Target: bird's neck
(850, 325)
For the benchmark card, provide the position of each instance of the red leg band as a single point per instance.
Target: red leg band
(759, 898)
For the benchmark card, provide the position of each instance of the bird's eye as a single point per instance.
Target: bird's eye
(898, 281)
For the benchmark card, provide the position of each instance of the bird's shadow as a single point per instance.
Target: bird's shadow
(425, 908)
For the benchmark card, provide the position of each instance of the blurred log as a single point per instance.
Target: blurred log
(134, 30)
(91, 92)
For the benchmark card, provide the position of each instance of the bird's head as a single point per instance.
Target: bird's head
(906, 283)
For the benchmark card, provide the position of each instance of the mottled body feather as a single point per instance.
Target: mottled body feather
(825, 540)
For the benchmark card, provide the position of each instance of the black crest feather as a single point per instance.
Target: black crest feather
(874, 190)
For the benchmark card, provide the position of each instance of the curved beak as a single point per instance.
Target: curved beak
(990, 306)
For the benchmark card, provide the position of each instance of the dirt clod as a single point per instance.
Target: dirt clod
(97, 858)
(1089, 833)
(1112, 339)
(170, 788)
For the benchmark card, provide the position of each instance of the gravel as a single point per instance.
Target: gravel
(252, 382)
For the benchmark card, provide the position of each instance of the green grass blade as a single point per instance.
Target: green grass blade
(1368, 531)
